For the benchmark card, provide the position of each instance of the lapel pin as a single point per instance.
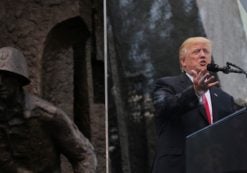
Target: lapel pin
(216, 95)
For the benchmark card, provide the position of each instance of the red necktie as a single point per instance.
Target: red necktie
(206, 107)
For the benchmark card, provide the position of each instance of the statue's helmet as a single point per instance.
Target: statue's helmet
(12, 60)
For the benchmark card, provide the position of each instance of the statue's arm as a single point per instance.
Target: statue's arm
(75, 146)
(71, 142)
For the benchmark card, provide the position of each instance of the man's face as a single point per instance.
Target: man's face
(197, 57)
(9, 84)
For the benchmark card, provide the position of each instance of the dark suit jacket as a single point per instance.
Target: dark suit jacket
(179, 113)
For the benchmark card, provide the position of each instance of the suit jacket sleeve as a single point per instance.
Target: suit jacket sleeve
(173, 99)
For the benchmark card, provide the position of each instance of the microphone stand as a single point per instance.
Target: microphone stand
(240, 70)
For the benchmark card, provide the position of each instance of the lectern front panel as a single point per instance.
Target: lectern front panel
(219, 148)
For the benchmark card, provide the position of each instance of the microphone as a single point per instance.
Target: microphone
(217, 68)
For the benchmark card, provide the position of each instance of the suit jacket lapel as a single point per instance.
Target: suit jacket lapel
(203, 112)
(185, 81)
(214, 101)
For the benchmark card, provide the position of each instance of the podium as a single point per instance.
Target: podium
(220, 147)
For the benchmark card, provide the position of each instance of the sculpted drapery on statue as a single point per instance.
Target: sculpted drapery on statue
(33, 132)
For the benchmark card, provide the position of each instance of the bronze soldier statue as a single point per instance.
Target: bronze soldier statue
(33, 132)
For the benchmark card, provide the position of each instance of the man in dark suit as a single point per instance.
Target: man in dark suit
(186, 103)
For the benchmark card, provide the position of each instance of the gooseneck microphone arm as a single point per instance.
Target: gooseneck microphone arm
(237, 67)
(227, 69)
